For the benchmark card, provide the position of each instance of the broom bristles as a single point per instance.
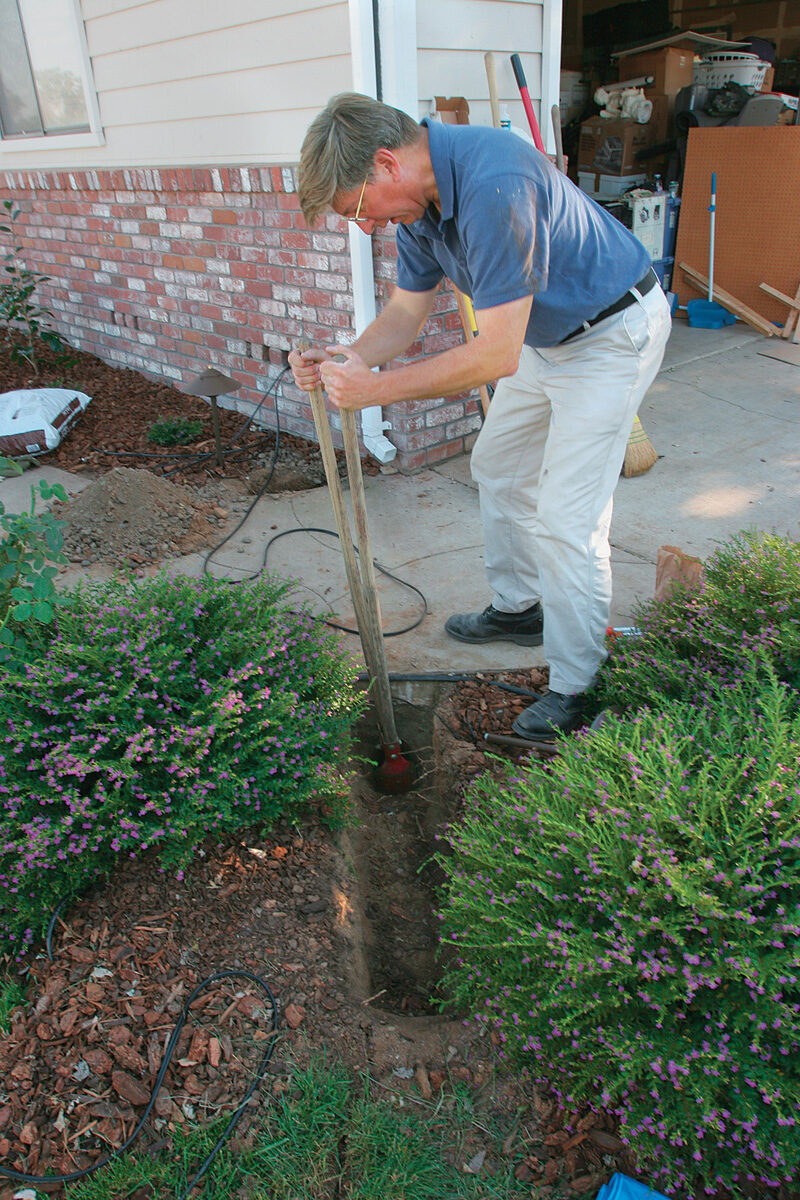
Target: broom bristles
(640, 453)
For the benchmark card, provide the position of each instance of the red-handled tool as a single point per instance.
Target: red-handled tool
(522, 84)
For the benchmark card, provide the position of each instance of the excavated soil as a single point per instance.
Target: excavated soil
(130, 516)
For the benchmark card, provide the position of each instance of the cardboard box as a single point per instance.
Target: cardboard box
(595, 184)
(670, 66)
(662, 118)
(452, 110)
(608, 146)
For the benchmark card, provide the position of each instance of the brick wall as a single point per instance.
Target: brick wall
(169, 271)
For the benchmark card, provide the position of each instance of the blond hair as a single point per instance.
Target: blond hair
(340, 146)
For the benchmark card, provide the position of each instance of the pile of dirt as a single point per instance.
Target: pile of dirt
(131, 517)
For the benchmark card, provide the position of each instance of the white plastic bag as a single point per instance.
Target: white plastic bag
(34, 420)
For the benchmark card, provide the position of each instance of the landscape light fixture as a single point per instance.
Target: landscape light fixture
(210, 384)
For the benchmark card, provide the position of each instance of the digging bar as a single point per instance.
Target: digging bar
(395, 768)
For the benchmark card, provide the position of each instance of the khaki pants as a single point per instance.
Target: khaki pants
(546, 462)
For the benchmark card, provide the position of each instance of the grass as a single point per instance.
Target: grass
(11, 996)
(327, 1138)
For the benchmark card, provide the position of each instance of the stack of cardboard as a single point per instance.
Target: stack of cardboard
(608, 150)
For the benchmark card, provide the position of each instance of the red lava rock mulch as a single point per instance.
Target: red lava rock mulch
(125, 404)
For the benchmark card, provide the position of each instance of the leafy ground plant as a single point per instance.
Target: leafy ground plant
(156, 714)
(327, 1138)
(174, 431)
(31, 544)
(629, 919)
(745, 615)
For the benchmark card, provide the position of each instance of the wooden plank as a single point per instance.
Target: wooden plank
(792, 327)
(700, 283)
(781, 296)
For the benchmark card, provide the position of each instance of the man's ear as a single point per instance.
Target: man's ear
(389, 161)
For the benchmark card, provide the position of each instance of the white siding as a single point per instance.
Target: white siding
(182, 82)
(454, 35)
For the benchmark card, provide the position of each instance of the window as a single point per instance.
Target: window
(46, 90)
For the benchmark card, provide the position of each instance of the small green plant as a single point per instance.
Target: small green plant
(156, 714)
(11, 997)
(31, 544)
(19, 309)
(629, 920)
(175, 431)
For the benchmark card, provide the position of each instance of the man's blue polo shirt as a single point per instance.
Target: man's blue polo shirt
(511, 225)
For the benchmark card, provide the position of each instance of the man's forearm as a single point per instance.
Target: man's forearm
(458, 370)
(394, 329)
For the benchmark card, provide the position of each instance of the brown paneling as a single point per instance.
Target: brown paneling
(757, 235)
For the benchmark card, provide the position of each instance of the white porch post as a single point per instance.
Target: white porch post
(552, 14)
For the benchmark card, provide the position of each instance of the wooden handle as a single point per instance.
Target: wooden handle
(491, 75)
(372, 613)
(470, 327)
(339, 510)
(555, 113)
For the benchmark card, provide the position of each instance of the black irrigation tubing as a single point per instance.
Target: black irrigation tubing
(308, 529)
(36, 1180)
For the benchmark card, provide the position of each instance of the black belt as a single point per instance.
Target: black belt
(642, 287)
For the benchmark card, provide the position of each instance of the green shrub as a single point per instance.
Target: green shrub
(19, 309)
(159, 713)
(629, 919)
(746, 613)
(174, 431)
(30, 545)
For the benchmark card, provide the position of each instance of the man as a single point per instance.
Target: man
(571, 322)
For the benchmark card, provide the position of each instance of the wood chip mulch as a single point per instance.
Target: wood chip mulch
(80, 1058)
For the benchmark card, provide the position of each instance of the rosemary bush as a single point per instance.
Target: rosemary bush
(629, 919)
(746, 611)
(156, 714)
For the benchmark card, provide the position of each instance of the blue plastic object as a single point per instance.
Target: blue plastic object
(707, 314)
(621, 1187)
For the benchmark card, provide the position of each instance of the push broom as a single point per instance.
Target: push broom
(394, 772)
(640, 454)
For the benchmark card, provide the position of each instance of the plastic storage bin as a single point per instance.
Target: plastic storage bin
(720, 68)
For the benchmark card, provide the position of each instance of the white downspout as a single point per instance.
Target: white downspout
(362, 42)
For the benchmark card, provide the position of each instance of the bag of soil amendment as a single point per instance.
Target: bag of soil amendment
(35, 420)
(676, 568)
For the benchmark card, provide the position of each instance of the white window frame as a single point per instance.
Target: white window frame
(94, 136)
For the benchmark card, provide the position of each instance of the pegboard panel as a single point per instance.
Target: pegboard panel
(757, 231)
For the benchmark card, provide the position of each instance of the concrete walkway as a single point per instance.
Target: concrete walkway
(725, 421)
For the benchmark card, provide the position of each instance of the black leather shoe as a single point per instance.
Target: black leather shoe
(524, 628)
(554, 713)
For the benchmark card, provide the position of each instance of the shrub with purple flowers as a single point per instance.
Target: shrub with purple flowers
(628, 918)
(745, 615)
(156, 714)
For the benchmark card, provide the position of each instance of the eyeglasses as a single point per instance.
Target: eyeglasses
(357, 217)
